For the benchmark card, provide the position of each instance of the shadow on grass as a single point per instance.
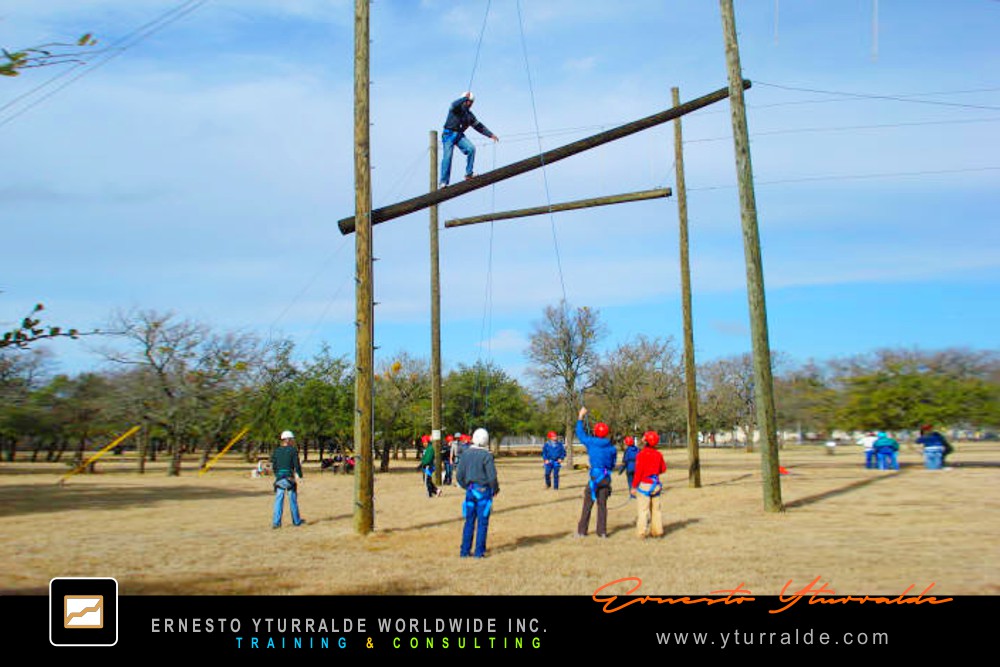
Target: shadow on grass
(458, 519)
(833, 493)
(732, 480)
(16, 500)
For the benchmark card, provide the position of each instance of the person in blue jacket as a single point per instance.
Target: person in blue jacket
(460, 118)
(935, 447)
(886, 452)
(602, 454)
(553, 453)
(628, 459)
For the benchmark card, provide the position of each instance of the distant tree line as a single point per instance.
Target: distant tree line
(192, 389)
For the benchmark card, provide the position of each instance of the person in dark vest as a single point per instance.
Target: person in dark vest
(936, 447)
(602, 454)
(287, 473)
(427, 465)
(649, 465)
(477, 474)
(460, 118)
(553, 453)
(628, 459)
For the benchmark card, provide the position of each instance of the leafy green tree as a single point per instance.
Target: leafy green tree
(485, 396)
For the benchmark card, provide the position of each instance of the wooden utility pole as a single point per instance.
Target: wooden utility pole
(364, 511)
(763, 380)
(435, 321)
(565, 206)
(489, 178)
(690, 381)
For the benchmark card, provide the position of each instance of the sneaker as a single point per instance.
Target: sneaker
(602, 536)
(577, 536)
(273, 527)
(300, 523)
(469, 177)
(442, 184)
(439, 492)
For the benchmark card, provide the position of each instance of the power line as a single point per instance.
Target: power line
(849, 177)
(895, 98)
(121, 46)
(849, 127)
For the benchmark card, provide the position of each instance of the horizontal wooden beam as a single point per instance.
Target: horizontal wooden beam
(408, 206)
(565, 206)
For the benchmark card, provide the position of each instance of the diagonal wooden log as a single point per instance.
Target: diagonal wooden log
(565, 206)
(516, 168)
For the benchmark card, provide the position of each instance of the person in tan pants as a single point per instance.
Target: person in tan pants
(649, 465)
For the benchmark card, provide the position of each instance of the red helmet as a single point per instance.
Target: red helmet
(652, 438)
(629, 441)
(552, 435)
(601, 430)
(425, 439)
(465, 437)
(449, 438)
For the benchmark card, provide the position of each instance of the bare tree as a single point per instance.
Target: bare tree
(563, 351)
(639, 385)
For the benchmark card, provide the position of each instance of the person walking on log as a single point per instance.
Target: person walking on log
(460, 118)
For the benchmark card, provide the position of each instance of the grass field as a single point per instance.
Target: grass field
(861, 531)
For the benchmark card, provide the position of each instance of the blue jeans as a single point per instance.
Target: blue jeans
(450, 139)
(887, 459)
(281, 487)
(476, 509)
(933, 458)
(552, 473)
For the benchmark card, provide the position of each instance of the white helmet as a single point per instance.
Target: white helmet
(481, 437)
(468, 94)
(287, 435)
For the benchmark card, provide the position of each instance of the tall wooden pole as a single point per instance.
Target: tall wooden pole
(548, 157)
(364, 511)
(690, 381)
(763, 380)
(435, 321)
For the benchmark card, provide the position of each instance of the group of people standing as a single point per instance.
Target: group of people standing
(882, 450)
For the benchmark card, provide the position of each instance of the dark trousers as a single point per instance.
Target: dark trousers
(602, 492)
(429, 478)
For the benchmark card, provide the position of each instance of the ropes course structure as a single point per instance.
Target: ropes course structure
(365, 217)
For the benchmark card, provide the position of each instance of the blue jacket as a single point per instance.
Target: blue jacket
(628, 459)
(460, 118)
(933, 441)
(553, 450)
(600, 451)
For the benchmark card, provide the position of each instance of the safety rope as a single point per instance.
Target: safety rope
(479, 45)
(538, 135)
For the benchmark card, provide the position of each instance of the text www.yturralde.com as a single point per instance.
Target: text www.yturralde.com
(736, 637)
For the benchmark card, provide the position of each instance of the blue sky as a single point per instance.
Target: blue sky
(202, 170)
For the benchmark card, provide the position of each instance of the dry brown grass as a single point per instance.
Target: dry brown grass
(863, 531)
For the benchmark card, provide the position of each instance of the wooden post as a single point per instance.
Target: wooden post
(763, 380)
(690, 380)
(489, 178)
(364, 511)
(435, 321)
(565, 206)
